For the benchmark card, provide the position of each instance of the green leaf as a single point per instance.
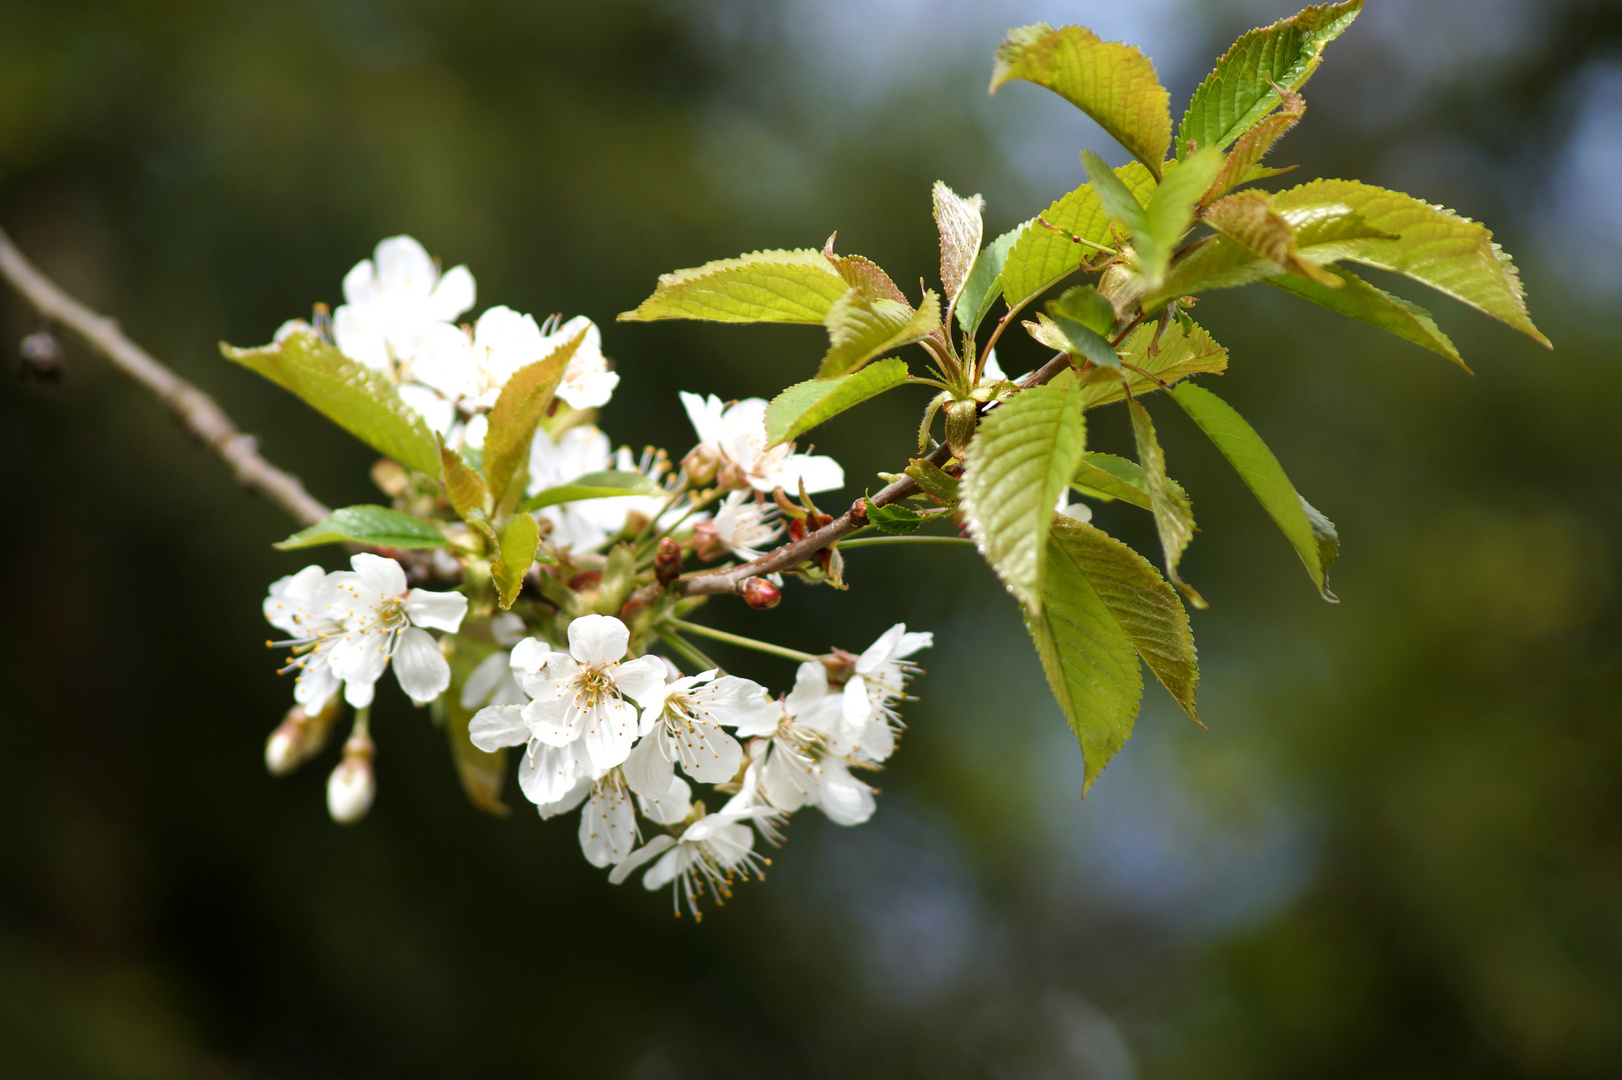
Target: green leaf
(1249, 219)
(1142, 604)
(933, 480)
(896, 520)
(1110, 477)
(763, 286)
(619, 578)
(1085, 305)
(1184, 349)
(482, 774)
(465, 488)
(984, 283)
(805, 405)
(1243, 164)
(516, 414)
(519, 537)
(1312, 535)
(861, 328)
(1174, 517)
(1362, 301)
(1246, 83)
(1089, 661)
(1170, 212)
(1113, 83)
(1021, 459)
(1121, 203)
(959, 223)
(361, 401)
(1451, 254)
(1045, 254)
(1077, 340)
(375, 526)
(597, 485)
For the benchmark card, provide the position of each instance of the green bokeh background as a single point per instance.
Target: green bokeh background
(1396, 851)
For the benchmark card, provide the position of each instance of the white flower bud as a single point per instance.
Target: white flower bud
(352, 785)
(299, 737)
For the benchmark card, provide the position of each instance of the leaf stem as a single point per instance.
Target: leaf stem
(736, 639)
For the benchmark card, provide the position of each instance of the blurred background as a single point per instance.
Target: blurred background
(1396, 851)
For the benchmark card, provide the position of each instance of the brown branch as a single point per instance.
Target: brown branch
(728, 581)
(194, 410)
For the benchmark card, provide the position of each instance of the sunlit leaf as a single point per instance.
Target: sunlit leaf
(1242, 165)
(1046, 251)
(519, 537)
(933, 480)
(375, 526)
(984, 283)
(1115, 84)
(1174, 517)
(1111, 477)
(763, 286)
(465, 488)
(361, 401)
(1362, 301)
(1020, 461)
(1184, 349)
(1248, 218)
(1311, 534)
(961, 228)
(597, 485)
(861, 328)
(1245, 85)
(1170, 212)
(513, 420)
(1119, 201)
(805, 405)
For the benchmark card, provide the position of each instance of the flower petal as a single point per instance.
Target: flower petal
(641, 855)
(420, 666)
(382, 577)
(607, 825)
(845, 799)
(452, 296)
(484, 679)
(610, 729)
(547, 774)
(670, 807)
(497, 726)
(598, 639)
(647, 770)
(642, 679)
(740, 703)
(435, 610)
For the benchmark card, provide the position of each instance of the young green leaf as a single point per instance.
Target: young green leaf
(1085, 305)
(860, 329)
(1248, 78)
(805, 405)
(961, 228)
(1451, 254)
(984, 283)
(1052, 247)
(1249, 219)
(597, 485)
(519, 537)
(1362, 301)
(375, 526)
(1020, 461)
(361, 401)
(933, 480)
(1312, 535)
(517, 412)
(1120, 201)
(1171, 211)
(1115, 84)
(1089, 661)
(1110, 477)
(894, 520)
(1174, 517)
(1073, 337)
(763, 286)
(1183, 349)
(465, 488)
(1140, 601)
(1241, 167)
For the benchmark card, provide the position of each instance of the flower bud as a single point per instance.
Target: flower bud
(961, 417)
(700, 464)
(707, 543)
(761, 594)
(667, 563)
(732, 478)
(299, 737)
(352, 785)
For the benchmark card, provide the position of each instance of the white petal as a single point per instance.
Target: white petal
(740, 703)
(484, 679)
(845, 799)
(647, 770)
(788, 780)
(607, 826)
(358, 339)
(381, 576)
(497, 726)
(609, 732)
(707, 753)
(547, 774)
(554, 720)
(403, 265)
(529, 656)
(574, 798)
(436, 410)
(360, 694)
(642, 679)
(665, 870)
(453, 295)
(672, 806)
(420, 666)
(705, 416)
(598, 639)
(881, 650)
(359, 282)
(641, 855)
(436, 610)
(315, 685)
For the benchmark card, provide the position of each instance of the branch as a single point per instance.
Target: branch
(728, 581)
(194, 410)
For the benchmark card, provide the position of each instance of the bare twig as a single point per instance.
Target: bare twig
(192, 409)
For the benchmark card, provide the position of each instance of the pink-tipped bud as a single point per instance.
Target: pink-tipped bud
(667, 563)
(299, 737)
(707, 543)
(761, 594)
(352, 785)
(700, 465)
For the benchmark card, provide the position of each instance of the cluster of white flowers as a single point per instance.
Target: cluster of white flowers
(598, 726)
(607, 731)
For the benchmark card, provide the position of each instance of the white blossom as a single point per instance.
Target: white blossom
(735, 435)
(872, 691)
(492, 683)
(685, 721)
(587, 382)
(710, 854)
(383, 620)
(608, 822)
(297, 606)
(392, 299)
(471, 368)
(745, 526)
(555, 462)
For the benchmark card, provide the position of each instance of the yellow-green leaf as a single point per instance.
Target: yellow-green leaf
(375, 526)
(1170, 212)
(361, 401)
(805, 405)
(1020, 460)
(1362, 301)
(1246, 155)
(463, 486)
(933, 480)
(763, 286)
(1174, 517)
(958, 221)
(1044, 254)
(519, 537)
(516, 414)
(610, 484)
(1113, 83)
(1249, 77)
(1248, 218)
(861, 328)
(984, 283)
(1184, 349)
(1109, 477)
